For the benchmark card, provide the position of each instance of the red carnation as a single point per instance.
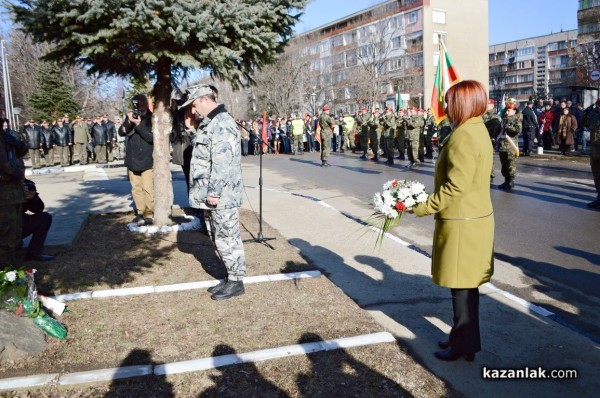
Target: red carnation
(394, 183)
(400, 206)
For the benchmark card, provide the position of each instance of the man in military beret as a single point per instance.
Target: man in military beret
(326, 124)
(509, 151)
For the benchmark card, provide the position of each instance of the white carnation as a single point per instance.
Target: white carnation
(409, 202)
(416, 188)
(11, 276)
(422, 197)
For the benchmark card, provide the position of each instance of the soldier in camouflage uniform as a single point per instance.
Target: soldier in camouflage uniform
(348, 125)
(429, 132)
(389, 133)
(363, 126)
(12, 196)
(326, 124)
(591, 120)
(421, 152)
(414, 126)
(374, 134)
(401, 133)
(216, 181)
(512, 123)
(493, 123)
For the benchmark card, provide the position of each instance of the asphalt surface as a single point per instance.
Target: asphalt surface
(392, 282)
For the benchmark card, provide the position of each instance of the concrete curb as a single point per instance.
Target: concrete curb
(194, 365)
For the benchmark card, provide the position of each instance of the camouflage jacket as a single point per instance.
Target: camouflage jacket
(591, 120)
(414, 125)
(325, 123)
(12, 168)
(373, 124)
(389, 125)
(493, 123)
(512, 128)
(444, 131)
(215, 168)
(363, 123)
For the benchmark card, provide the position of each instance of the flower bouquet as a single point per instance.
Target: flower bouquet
(18, 295)
(394, 200)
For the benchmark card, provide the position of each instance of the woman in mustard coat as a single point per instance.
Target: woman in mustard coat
(463, 239)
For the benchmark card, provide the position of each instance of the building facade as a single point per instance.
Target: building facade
(365, 58)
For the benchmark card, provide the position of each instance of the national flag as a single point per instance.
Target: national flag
(445, 77)
(502, 106)
(263, 134)
(399, 102)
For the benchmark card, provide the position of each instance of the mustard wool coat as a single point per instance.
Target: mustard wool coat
(463, 240)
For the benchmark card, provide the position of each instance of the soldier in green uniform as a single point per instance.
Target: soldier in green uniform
(429, 132)
(444, 131)
(414, 126)
(493, 123)
(348, 126)
(401, 133)
(374, 134)
(363, 125)
(591, 120)
(326, 124)
(512, 126)
(12, 196)
(421, 152)
(389, 133)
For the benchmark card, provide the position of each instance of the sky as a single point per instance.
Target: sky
(509, 20)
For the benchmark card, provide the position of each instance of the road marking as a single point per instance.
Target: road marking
(194, 365)
(139, 290)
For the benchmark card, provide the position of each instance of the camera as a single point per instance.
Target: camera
(136, 108)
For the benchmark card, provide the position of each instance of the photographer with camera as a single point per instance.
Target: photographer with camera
(37, 224)
(138, 157)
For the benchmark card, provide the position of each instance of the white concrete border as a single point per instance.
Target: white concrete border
(131, 291)
(193, 365)
(192, 224)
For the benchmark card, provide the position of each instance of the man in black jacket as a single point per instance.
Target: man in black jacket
(99, 139)
(530, 126)
(32, 135)
(138, 158)
(36, 224)
(47, 143)
(63, 141)
(111, 133)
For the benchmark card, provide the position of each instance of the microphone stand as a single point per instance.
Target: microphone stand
(260, 238)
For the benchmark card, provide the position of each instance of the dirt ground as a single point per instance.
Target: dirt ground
(169, 327)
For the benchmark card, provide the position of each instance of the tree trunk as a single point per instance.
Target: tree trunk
(161, 128)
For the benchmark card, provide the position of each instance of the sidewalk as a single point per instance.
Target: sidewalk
(392, 282)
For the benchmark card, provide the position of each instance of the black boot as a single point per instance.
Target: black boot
(595, 204)
(217, 287)
(511, 183)
(505, 185)
(231, 289)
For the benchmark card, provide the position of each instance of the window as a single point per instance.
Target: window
(398, 42)
(525, 51)
(552, 46)
(521, 65)
(436, 37)
(583, 4)
(589, 28)
(351, 59)
(439, 16)
(338, 60)
(325, 46)
(365, 51)
(413, 17)
(337, 41)
(395, 64)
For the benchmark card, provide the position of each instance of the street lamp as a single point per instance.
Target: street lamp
(313, 96)
(17, 112)
(420, 95)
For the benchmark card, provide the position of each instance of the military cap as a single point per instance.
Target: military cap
(491, 101)
(326, 108)
(194, 92)
(511, 103)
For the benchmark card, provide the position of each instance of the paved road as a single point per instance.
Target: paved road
(546, 239)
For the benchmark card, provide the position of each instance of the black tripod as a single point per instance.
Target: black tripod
(260, 238)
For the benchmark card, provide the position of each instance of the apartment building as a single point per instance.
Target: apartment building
(532, 67)
(362, 59)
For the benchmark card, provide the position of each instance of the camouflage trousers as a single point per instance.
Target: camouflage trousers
(325, 145)
(11, 220)
(508, 163)
(225, 230)
(375, 136)
(348, 141)
(389, 147)
(413, 145)
(297, 144)
(364, 142)
(401, 143)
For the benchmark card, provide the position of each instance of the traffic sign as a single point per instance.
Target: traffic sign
(595, 75)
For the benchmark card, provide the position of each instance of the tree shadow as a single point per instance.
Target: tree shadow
(593, 258)
(334, 372)
(587, 188)
(150, 385)
(241, 380)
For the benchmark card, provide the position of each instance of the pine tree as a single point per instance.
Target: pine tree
(54, 97)
(161, 39)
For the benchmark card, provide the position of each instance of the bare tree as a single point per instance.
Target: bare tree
(586, 58)
(284, 86)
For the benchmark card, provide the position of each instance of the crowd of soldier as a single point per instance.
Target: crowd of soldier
(65, 143)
